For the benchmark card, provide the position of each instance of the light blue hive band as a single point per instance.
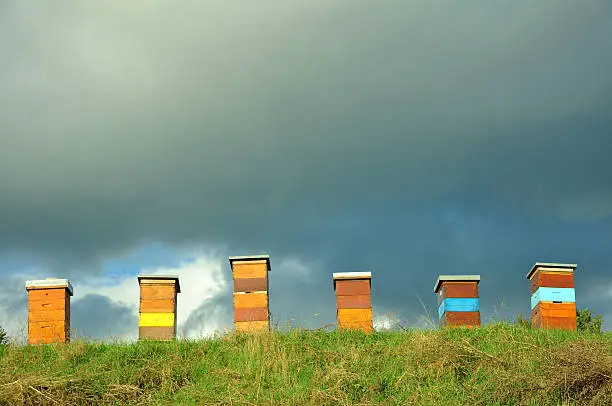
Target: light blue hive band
(566, 295)
(458, 304)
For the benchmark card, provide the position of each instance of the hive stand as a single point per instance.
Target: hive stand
(458, 303)
(354, 300)
(553, 298)
(49, 310)
(157, 318)
(251, 301)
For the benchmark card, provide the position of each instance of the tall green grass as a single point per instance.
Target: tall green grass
(500, 364)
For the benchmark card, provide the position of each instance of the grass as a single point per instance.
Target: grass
(501, 364)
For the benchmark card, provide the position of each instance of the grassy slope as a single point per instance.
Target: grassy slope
(499, 364)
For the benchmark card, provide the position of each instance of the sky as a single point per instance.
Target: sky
(406, 138)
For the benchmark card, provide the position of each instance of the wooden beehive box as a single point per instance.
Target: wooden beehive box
(354, 300)
(49, 311)
(553, 298)
(251, 300)
(458, 302)
(157, 316)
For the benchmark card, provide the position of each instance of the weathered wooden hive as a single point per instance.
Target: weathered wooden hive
(49, 310)
(251, 301)
(157, 318)
(553, 299)
(458, 303)
(354, 300)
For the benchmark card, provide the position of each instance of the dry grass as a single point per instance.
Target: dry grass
(500, 364)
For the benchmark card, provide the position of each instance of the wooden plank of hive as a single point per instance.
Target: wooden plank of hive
(546, 310)
(250, 284)
(250, 270)
(354, 315)
(156, 332)
(457, 290)
(557, 295)
(250, 326)
(242, 300)
(46, 332)
(450, 319)
(46, 315)
(549, 309)
(536, 316)
(557, 323)
(156, 319)
(459, 304)
(552, 280)
(46, 293)
(157, 305)
(251, 314)
(352, 287)
(157, 292)
(47, 304)
(354, 302)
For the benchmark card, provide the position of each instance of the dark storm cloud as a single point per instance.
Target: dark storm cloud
(413, 138)
(96, 316)
(13, 308)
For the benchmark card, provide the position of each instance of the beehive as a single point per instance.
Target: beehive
(157, 316)
(49, 311)
(458, 303)
(353, 300)
(553, 299)
(251, 300)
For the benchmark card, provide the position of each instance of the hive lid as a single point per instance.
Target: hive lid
(351, 276)
(556, 268)
(50, 283)
(173, 277)
(247, 258)
(455, 278)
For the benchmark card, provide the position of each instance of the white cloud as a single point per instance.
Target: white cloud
(296, 269)
(204, 305)
(385, 322)
(122, 290)
(201, 280)
(13, 306)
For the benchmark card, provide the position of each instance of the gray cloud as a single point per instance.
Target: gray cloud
(13, 308)
(213, 313)
(96, 316)
(408, 137)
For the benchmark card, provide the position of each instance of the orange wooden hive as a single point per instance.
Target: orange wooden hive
(157, 317)
(251, 301)
(354, 300)
(553, 299)
(458, 302)
(49, 311)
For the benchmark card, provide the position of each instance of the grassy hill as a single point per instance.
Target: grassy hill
(494, 365)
